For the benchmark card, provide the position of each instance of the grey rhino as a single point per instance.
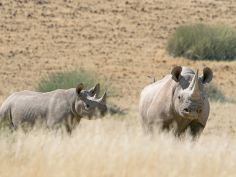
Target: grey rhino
(57, 107)
(179, 99)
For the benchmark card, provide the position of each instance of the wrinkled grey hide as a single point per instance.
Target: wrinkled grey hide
(177, 99)
(57, 107)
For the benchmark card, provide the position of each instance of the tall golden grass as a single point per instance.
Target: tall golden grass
(116, 147)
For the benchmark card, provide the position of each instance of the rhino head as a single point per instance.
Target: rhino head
(88, 104)
(189, 99)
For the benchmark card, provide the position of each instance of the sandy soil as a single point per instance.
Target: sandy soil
(122, 41)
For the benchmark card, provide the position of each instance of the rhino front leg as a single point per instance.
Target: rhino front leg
(196, 128)
(71, 123)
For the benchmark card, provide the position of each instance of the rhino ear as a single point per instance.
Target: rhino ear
(176, 71)
(95, 90)
(79, 88)
(207, 75)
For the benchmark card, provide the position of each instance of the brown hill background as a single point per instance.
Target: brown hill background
(121, 41)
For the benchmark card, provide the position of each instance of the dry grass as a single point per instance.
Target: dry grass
(116, 147)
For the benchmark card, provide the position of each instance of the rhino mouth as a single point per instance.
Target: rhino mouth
(86, 112)
(189, 115)
(91, 114)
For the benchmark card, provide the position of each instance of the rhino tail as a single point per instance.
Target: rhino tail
(153, 78)
(2, 113)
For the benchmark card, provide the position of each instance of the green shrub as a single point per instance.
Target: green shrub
(214, 93)
(201, 41)
(66, 80)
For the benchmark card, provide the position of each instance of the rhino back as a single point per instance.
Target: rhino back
(26, 106)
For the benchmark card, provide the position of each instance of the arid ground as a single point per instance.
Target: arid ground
(123, 42)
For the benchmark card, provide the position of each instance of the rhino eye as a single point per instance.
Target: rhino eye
(87, 106)
(179, 97)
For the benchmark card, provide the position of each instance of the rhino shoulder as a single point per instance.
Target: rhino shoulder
(156, 94)
(62, 99)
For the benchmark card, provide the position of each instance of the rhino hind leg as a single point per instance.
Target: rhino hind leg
(154, 127)
(6, 119)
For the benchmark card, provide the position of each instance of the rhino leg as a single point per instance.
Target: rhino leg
(6, 120)
(153, 127)
(70, 123)
(167, 125)
(196, 128)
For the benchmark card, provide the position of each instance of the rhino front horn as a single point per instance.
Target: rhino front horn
(103, 98)
(194, 86)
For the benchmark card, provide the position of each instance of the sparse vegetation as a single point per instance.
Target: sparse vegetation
(201, 41)
(66, 80)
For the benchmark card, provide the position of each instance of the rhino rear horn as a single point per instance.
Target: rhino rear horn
(207, 75)
(95, 90)
(176, 71)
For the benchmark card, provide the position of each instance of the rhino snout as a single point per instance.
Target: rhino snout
(188, 110)
(199, 110)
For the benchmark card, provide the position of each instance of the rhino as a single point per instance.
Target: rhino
(57, 107)
(176, 102)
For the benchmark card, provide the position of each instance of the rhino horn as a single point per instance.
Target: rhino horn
(95, 96)
(194, 86)
(103, 98)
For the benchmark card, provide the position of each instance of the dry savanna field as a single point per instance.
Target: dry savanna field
(122, 42)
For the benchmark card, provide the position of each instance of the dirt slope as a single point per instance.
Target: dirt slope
(122, 41)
